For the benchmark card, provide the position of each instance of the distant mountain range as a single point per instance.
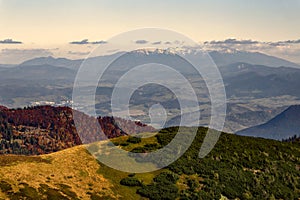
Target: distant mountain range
(283, 126)
(232, 64)
(240, 78)
(244, 73)
(58, 62)
(221, 58)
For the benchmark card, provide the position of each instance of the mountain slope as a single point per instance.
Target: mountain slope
(239, 68)
(58, 62)
(46, 129)
(243, 79)
(38, 72)
(237, 168)
(68, 174)
(255, 58)
(283, 126)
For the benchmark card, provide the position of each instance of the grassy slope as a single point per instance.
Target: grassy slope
(73, 167)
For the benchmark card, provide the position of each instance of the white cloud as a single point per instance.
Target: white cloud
(141, 42)
(86, 41)
(289, 50)
(10, 41)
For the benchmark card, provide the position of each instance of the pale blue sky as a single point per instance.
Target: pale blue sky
(61, 21)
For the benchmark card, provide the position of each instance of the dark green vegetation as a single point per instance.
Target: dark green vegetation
(11, 160)
(43, 192)
(238, 167)
(130, 181)
(163, 187)
(134, 140)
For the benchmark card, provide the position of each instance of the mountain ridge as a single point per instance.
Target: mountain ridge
(46, 129)
(220, 58)
(283, 126)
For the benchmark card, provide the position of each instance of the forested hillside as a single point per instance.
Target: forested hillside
(46, 129)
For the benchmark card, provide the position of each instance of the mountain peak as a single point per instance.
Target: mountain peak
(170, 51)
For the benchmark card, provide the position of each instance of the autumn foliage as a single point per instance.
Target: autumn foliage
(46, 129)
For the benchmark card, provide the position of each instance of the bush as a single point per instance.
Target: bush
(164, 187)
(5, 187)
(130, 181)
(159, 192)
(124, 144)
(134, 140)
(138, 150)
(166, 178)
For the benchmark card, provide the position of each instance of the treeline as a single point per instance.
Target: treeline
(295, 138)
(46, 129)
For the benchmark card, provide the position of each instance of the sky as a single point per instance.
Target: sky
(50, 25)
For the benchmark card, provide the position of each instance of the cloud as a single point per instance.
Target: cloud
(177, 42)
(99, 42)
(288, 49)
(141, 42)
(283, 43)
(156, 43)
(9, 41)
(86, 41)
(233, 41)
(251, 42)
(293, 41)
(78, 53)
(251, 45)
